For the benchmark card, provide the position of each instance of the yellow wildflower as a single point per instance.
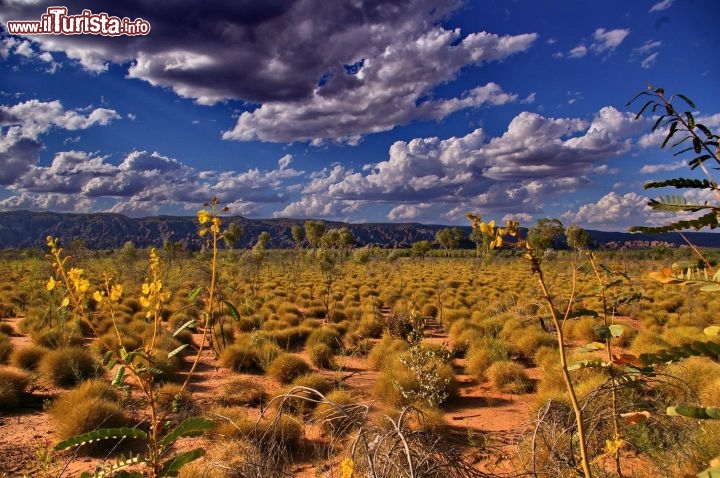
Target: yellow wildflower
(98, 296)
(65, 302)
(347, 468)
(51, 284)
(203, 216)
(115, 292)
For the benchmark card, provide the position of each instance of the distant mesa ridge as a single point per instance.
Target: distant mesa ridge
(24, 229)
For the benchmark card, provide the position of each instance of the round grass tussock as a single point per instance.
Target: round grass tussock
(241, 357)
(28, 357)
(13, 385)
(340, 414)
(287, 367)
(6, 348)
(68, 366)
(240, 391)
(509, 377)
(322, 356)
(92, 405)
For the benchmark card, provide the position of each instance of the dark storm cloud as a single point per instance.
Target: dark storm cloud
(318, 70)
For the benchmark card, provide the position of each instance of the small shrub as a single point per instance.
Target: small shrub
(509, 377)
(13, 383)
(28, 357)
(68, 366)
(286, 367)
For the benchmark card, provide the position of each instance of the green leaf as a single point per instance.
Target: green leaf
(120, 463)
(657, 122)
(172, 466)
(680, 183)
(698, 161)
(592, 347)
(712, 472)
(194, 293)
(119, 376)
(191, 427)
(586, 364)
(691, 411)
(602, 332)
(581, 313)
(189, 323)
(673, 129)
(101, 434)
(690, 120)
(616, 330)
(712, 330)
(686, 100)
(177, 350)
(232, 309)
(636, 97)
(704, 129)
(106, 358)
(639, 114)
(697, 145)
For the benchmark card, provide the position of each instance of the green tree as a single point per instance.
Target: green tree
(542, 235)
(232, 235)
(421, 248)
(347, 239)
(577, 237)
(314, 231)
(298, 235)
(449, 238)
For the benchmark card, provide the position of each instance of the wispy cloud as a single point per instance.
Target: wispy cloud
(663, 5)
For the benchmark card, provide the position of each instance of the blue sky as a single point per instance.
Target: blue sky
(382, 111)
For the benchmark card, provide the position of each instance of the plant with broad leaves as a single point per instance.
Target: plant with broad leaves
(685, 135)
(159, 459)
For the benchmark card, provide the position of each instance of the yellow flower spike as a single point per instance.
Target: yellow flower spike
(203, 216)
(146, 288)
(98, 296)
(51, 283)
(115, 292)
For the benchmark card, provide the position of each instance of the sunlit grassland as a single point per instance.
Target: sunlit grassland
(296, 321)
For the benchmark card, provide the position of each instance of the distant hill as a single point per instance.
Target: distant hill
(23, 229)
